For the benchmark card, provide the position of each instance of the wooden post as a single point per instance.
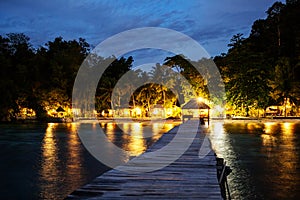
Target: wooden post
(208, 116)
(222, 172)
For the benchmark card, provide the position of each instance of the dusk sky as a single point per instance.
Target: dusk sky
(210, 22)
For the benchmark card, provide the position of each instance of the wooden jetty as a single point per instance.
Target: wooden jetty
(189, 177)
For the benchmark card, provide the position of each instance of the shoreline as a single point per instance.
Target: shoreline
(261, 120)
(178, 121)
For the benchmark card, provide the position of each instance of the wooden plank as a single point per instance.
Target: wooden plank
(189, 177)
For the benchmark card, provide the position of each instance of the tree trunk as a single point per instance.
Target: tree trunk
(285, 99)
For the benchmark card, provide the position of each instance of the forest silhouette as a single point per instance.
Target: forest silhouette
(259, 71)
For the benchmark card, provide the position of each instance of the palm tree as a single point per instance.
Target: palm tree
(284, 85)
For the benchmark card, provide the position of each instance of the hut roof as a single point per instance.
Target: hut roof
(195, 104)
(60, 109)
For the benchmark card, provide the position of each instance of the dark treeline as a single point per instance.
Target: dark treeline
(42, 79)
(37, 78)
(264, 68)
(260, 70)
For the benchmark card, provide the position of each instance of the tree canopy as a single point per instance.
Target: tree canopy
(260, 70)
(263, 69)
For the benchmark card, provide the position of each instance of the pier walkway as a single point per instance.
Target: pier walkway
(188, 177)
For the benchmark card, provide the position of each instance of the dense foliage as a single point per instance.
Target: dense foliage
(264, 69)
(260, 70)
(37, 78)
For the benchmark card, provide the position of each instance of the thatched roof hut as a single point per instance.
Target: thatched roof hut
(195, 104)
(60, 109)
(195, 108)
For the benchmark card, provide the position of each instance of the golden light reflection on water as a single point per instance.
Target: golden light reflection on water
(136, 144)
(279, 146)
(49, 148)
(73, 152)
(271, 150)
(49, 169)
(268, 141)
(158, 127)
(287, 128)
(61, 160)
(134, 134)
(110, 131)
(137, 130)
(168, 126)
(252, 127)
(61, 164)
(269, 127)
(288, 158)
(268, 138)
(219, 138)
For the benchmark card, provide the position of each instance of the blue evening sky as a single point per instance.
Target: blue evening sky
(210, 22)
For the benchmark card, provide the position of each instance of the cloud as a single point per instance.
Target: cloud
(209, 22)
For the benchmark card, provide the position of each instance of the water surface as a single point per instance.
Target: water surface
(264, 157)
(48, 161)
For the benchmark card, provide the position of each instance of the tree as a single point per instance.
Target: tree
(108, 81)
(245, 74)
(57, 65)
(186, 68)
(285, 88)
(16, 56)
(7, 88)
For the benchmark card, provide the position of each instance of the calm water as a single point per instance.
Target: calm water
(48, 161)
(264, 157)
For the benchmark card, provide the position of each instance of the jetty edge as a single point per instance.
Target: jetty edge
(189, 177)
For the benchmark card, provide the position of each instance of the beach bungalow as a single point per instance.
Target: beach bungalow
(60, 112)
(157, 111)
(123, 112)
(195, 109)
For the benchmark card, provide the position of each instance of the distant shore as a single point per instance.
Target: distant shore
(178, 121)
(150, 120)
(127, 120)
(259, 120)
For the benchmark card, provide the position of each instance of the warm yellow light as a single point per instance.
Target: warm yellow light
(126, 112)
(110, 131)
(136, 144)
(138, 111)
(200, 99)
(51, 112)
(168, 126)
(110, 127)
(268, 127)
(126, 127)
(268, 140)
(155, 111)
(156, 128)
(287, 128)
(49, 160)
(169, 111)
(137, 129)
